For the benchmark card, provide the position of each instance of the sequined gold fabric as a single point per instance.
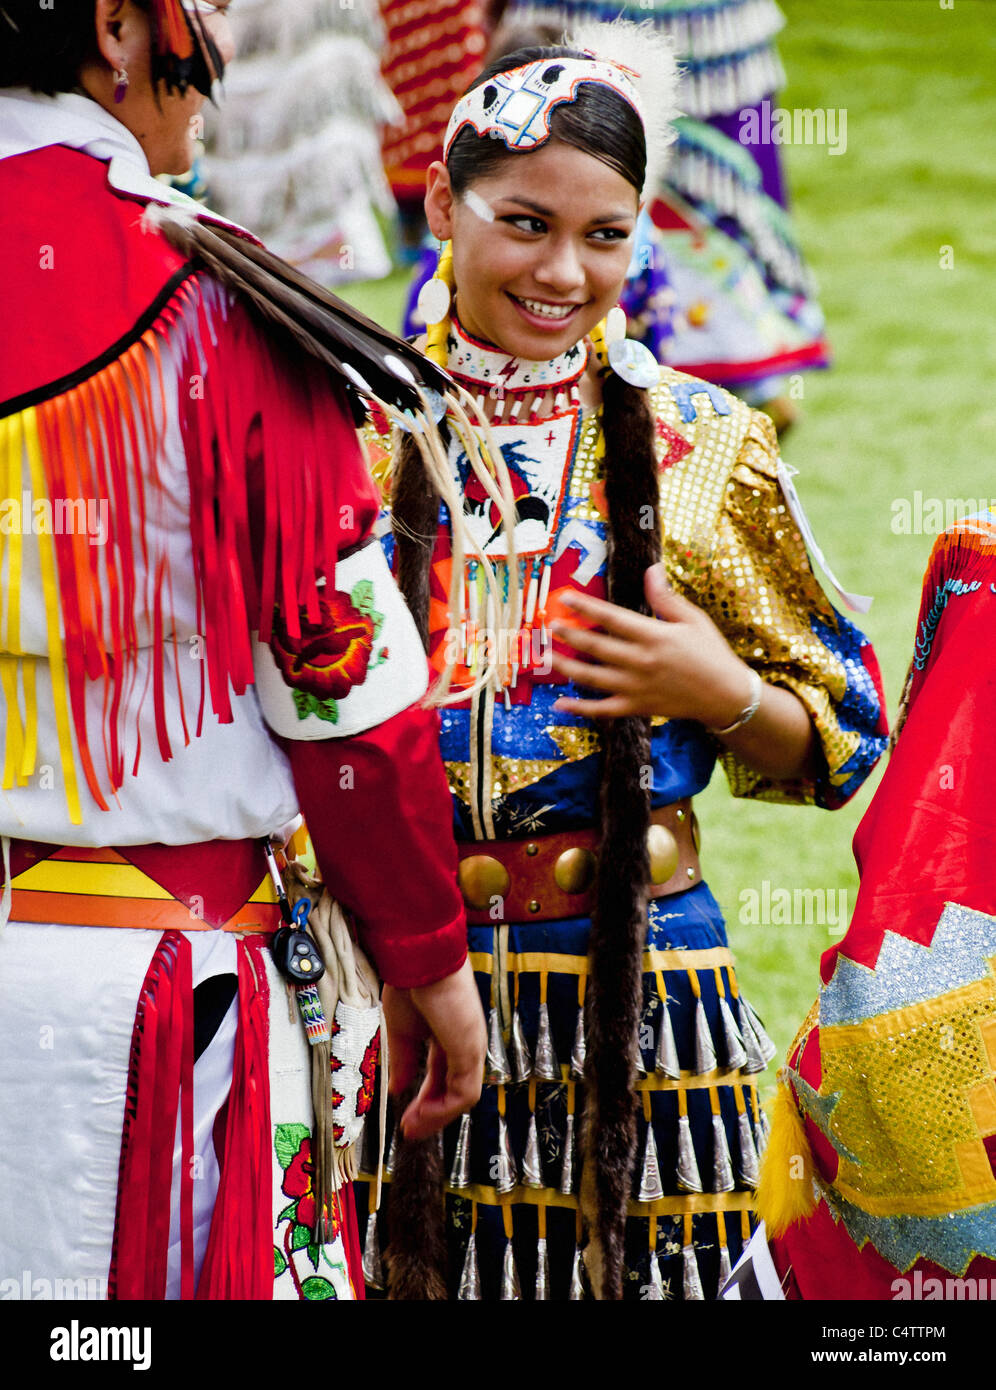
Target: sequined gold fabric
(918, 1078)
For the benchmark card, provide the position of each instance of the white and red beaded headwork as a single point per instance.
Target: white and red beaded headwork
(516, 106)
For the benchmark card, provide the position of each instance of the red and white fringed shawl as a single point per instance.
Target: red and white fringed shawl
(262, 444)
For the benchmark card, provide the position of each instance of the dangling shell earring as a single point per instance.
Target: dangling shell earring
(120, 85)
(434, 297)
(615, 325)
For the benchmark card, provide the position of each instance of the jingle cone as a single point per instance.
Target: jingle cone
(522, 1062)
(460, 1169)
(691, 1282)
(748, 1167)
(705, 1048)
(496, 1068)
(736, 1055)
(545, 1064)
(688, 1168)
(651, 1188)
(469, 1290)
(510, 1290)
(532, 1168)
(722, 1167)
(666, 1057)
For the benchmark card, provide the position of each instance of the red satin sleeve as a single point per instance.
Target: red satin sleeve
(378, 810)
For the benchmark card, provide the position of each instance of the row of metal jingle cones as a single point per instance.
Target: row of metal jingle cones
(469, 1288)
(746, 1047)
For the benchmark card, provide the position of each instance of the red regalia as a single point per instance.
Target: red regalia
(181, 490)
(892, 1075)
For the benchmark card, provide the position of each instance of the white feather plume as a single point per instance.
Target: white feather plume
(646, 51)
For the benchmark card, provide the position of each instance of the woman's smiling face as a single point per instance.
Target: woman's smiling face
(551, 265)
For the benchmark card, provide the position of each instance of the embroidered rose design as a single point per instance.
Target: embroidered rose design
(330, 656)
(293, 1147)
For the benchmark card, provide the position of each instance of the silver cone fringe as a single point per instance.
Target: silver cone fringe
(510, 1290)
(768, 1048)
(577, 1293)
(691, 1282)
(725, 1268)
(496, 1069)
(542, 1271)
(654, 1292)
(722, 1168)
(705, 1048)
(666, 1058)
(532, 1168)
(392, 1152)
(639, 1065)
(651, 1187)
(567, 1166)
(736, 1056)
(545, 1064)
(373, 1267)
(762, 1131)
(460, 1170)
(579, 1051)
(688, 1168)
(748, 1153)
(469, 1289)
(755, 1053)
(522, 1062)
(508, 1176)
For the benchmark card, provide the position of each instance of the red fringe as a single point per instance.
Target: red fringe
(238, 1262)
(161, 1076)
(281, 430)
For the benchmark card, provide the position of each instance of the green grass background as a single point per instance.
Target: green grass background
(908, 404)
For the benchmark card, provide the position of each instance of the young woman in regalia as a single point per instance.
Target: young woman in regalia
(198, 638)
(636, 518)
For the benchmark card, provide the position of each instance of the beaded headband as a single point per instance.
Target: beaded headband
(516, 106)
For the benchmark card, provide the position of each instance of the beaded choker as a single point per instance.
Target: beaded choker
(511, 388)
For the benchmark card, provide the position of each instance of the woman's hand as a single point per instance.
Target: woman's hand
(680, 666)
(448, 1014)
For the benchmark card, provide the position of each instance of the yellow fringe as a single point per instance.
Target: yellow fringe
(785, 1190)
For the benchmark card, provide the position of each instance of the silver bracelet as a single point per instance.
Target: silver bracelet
(756, 691)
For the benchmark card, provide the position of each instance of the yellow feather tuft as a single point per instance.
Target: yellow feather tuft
(785, 1190)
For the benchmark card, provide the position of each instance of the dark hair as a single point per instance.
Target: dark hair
(44, 49)
(598, 121)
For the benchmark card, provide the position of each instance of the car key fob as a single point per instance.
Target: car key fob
(296, 956)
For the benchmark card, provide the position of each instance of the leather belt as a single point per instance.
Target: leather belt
(549, 877)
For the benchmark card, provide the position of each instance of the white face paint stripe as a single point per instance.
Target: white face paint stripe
(478, 206)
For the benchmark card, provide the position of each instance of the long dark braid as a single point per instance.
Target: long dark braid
(619, 921)
(602, 124)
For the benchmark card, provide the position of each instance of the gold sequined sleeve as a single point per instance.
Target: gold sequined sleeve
(762, 593)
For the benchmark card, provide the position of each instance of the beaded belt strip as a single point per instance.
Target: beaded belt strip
(549, 877)
(219, 885)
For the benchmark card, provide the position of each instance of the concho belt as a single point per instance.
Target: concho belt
(548, 877)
